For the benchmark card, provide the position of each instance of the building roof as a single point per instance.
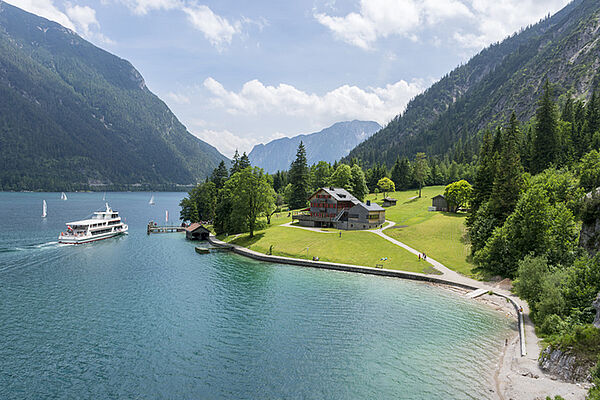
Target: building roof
(339, 194)
(371, 207)
(439, 195)
(389, 199)
(196, 226)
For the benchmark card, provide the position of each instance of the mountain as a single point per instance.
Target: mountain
(329, 145)
(446, 118)
(73, 116)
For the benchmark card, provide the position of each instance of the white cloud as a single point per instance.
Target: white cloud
(44, 8)
(215, 28)
(142, 7)
(383, 18)
(345, 102)
(228, 142)
(481, 21)
(81, 19)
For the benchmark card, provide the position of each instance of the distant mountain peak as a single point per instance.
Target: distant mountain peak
(329, 144)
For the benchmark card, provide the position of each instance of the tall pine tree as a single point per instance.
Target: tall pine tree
(486, 171)
(219, 175)
(235, 163)
(299, 179)
(508, 179)
(546, 143)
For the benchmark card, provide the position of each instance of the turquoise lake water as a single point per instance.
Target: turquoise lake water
(145, 317)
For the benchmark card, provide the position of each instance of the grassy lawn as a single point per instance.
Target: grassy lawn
(440, 235)
(354, 247)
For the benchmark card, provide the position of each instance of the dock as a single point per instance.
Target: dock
(164, 229)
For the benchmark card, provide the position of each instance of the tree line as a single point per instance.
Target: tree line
(528, 203)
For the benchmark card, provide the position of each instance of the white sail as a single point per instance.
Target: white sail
(166, 215)
(151, 202)
(44, 209)
(63, 196)
(104, 197)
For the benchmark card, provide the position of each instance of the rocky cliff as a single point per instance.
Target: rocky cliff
(565, 365)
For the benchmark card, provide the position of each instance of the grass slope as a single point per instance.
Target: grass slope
(354, 247)
(440, 235)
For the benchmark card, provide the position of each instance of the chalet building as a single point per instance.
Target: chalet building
(337, 208)
(439, 203)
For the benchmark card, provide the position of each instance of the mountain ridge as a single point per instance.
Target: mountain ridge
(342, 137)
(446, 119)
(74, 116)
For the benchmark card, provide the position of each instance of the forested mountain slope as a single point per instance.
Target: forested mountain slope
(329, 144)
(445, 119)
(73, 116)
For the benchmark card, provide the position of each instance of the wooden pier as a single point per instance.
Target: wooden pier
(164, 229)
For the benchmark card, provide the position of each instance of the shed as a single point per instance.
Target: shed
(389, 202)
(196, 232)
(439, 203)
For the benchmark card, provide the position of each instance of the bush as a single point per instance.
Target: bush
(553, 325)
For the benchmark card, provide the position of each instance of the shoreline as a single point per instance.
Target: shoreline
(516, 377)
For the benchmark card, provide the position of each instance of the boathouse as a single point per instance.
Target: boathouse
(196, 232)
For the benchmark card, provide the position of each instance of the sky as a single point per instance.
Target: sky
(239, 73)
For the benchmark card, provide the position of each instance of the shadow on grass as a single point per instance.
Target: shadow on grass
(247, 241)
(411, 201)
(453, 215)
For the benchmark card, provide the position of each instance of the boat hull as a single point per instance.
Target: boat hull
(88, 239)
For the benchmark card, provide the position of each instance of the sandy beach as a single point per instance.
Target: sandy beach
(520, 378)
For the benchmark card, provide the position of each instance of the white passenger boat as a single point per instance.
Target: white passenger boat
(101, 225)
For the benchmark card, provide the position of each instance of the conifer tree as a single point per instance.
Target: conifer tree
(508, 179)
(546, 144)
(486, 171)
(235, 163)
(592, 121)
(401, 173)
(244, 161)
(299, 179)
(219, 175)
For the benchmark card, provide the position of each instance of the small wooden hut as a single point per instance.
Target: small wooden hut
(196, 232)
(439, 203)
(389, 202)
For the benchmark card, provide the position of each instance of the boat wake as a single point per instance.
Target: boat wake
(37, 246)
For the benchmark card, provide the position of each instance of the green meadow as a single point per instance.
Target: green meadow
(440, 235)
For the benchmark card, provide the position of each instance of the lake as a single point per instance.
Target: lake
(146, 317)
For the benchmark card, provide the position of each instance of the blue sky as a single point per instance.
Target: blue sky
(238, 73)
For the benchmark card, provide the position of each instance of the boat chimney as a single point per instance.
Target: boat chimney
(368, 202)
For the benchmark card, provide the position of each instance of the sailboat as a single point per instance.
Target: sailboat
(104, 197)
(44, 209)
(151, 202)
(63, 196)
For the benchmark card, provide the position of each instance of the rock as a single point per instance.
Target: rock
(564, 365)
(596, 305)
